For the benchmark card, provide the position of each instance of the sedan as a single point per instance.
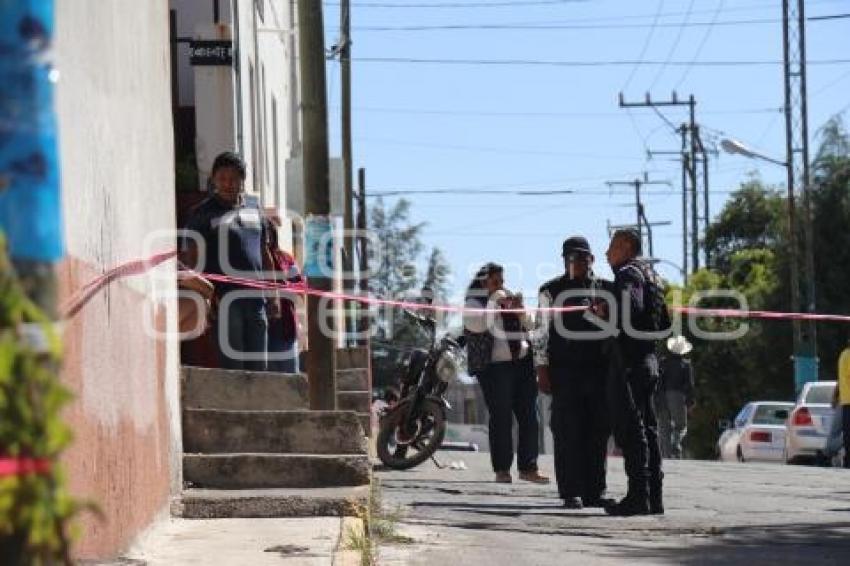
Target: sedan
(809, 423)
(758, 433)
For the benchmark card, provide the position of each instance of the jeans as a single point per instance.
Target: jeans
(283, 356)
(242, 326)
(510, 390)
(845, 416)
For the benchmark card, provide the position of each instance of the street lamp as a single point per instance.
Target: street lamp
(805, 342)
(733, 146)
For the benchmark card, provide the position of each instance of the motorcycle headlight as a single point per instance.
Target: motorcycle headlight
(447, 367)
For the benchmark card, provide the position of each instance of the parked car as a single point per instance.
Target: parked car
(809, 423)
(757, 433)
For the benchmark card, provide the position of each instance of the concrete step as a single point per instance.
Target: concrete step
(254, 471)
(267, 503)
(352, 380)
(213, 431)
(206, 388)
(360, 401)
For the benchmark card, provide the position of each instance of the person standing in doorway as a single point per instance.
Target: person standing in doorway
(499, 356)
(231, 229)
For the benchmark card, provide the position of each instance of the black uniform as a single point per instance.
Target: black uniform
(633, 379)
(577, 368)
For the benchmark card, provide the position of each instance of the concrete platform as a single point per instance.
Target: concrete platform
(266, 503)
(253, 470)
(315, 432)
(255, 542)
(243, 390)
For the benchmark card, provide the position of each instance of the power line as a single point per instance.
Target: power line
(685, 24)
(645, 46)
(441, 5)
(555, 27)
(527, 114)
(828, 17)
(609, 63)
(705, 37)
(491, 149)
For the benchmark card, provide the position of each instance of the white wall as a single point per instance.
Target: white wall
(262, 110)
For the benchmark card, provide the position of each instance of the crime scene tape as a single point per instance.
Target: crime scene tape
(138, 267)
(23, 466)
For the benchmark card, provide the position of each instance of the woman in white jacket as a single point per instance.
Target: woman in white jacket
(499, 356)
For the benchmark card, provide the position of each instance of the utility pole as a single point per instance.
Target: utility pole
(649, 227)
(637, 184)
(344, 48)
(692, 171)
(319, 267)
(797, 162)
(362, 225)
(692, 147)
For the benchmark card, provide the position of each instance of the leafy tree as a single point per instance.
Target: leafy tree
(395, 276)
(830, 205)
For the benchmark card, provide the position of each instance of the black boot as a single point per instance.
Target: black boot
(656, 498)
(636, 502)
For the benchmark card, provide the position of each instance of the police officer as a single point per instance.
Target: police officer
(633, 379)
(571, 365)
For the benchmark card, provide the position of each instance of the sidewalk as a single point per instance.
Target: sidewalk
(315, 541)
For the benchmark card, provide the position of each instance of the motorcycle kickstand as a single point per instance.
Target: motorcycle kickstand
(437, 463)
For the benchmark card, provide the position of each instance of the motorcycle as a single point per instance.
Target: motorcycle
(411, 431)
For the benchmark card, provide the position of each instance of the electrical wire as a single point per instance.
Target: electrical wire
(495, 113)
(687, 71)
(488, 149)
(556, 27)
(589, 64)
(646, 43)
(441, 5)
(675, 46)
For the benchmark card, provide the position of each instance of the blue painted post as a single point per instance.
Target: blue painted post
(30, 210)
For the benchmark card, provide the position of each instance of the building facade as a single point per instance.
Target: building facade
(116, 162)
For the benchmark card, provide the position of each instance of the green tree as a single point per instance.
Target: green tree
(831, 234)
(395, 276)
(748, 242)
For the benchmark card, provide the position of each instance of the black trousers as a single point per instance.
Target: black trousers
(580, 431)
(510, 390)
(845, 424)
(631, 385)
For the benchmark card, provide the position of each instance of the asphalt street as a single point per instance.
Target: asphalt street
(717, 513)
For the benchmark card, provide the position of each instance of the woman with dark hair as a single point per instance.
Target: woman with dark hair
(499, 355)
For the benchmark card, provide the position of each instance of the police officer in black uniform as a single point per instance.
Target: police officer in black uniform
(633, 379)
(571, 364)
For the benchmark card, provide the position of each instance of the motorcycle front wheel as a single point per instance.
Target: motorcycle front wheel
(402, 449)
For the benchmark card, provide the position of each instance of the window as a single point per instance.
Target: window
(260, 6)
(276, 186)
(256, 173)
(770, 414)
(743, 416)
(264, 117)
(820, 394)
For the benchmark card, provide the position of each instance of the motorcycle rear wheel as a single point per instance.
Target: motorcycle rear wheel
(431, 430)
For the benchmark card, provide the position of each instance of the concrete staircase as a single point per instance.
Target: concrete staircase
(253, 449)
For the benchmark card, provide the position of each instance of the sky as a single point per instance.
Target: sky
(544, 127)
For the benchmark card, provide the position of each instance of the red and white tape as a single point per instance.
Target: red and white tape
(23, 466)
(138, 267)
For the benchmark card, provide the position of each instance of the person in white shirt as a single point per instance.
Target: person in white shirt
(499, 356)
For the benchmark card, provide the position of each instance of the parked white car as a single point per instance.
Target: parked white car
(757, 434)
(809, 423)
